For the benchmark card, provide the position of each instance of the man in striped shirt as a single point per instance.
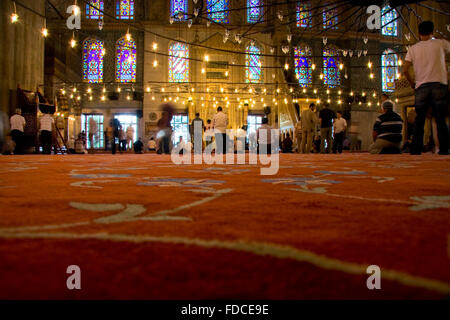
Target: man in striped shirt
(387, 131)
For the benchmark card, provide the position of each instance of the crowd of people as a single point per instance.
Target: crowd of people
(319, 132)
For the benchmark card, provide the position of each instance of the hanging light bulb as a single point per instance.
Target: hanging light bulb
(148, 89)
(90, 98)
(103, 52)
(75, 89)
(400, 62)
(369, 65)
(104, 89)
(89, 90)
(203, 70)
(155, 46)
(328, 91)
(44, 30)
(128, 35)
(14, 18)
(286, 66)
(63, 92)
(155, 63)
(163, 89)
(315, 91)
(73, 42)
(206, 57)
(304, 90)
(313, 66)
(371, 76)
(119, 89)
(351, 93)
(321, 76)
(339, 92)
(341, 66)
(103, 98)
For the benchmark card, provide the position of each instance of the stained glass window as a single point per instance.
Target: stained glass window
(302, 58)
(125, 9)
(218, 10)
(93, 9)
(254, 10)
(253, 64)
(330, 17)
(304, 16)
(331, 73)
(178, 6)
(93, 60)
(126, 60)
(178, 62)
(388, 22)
(389, 70)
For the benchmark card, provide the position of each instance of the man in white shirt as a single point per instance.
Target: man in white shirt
(430, 84)
(220, 123)
(17, 128)
(130, 137)
(340, 125)
(264, 140)
(46, 125)
(93, 130)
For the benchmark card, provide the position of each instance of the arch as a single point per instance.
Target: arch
(126, 60)
(389, 22)
(303, 63)
(178, 62)
(254, 10)
(93, 51)
(331, 72)
(218, 10)
(125, 9)
(389, 70)
(330, 17)
(253, 64)
(304, 16)
(94, 9)
(178, 6)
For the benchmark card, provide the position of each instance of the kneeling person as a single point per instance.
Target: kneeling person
(387, 131)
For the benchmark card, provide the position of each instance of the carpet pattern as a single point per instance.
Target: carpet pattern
(140, 227)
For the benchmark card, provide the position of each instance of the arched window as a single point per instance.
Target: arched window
(254, 10)
(93, 60)
(389, 22)
(302, 57)
(126, 60)
(304, 16)
(331, 73)
(178, 62)
(253, 64)
(93, 9)
(178, 6)
(330, 17)
(218, 10)
(125, 9)
(389, 70)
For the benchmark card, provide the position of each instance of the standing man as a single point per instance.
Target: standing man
(220, 123)
(326, 117)
(309, 122)
(93, 131)
(46, 127)
(201, 124)
(340, 125)
(430, 84)
(298, 135)
(116, 126)
(264, 142)
(17, 127)
(130, 137)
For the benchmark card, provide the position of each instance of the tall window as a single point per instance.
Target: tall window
(389, 70)
(331, 73)
(93, 9)
(96, 129)
(304, 16)
(218, 10)
(180, 127)
(330, 17)
(178, 6)
(93, 60)
(253, 64)
(126, 60)
(178, 62)
(388, 22)
(302, 57)
(254, 10)
(125, 9)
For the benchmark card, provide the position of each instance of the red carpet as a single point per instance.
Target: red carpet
(140, 227)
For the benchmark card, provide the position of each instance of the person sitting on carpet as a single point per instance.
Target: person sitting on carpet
(138, 146)
(387, 131)
(286, 145)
